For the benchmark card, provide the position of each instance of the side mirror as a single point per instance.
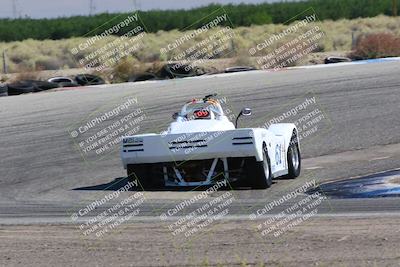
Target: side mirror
(244, 112)
(175, 115)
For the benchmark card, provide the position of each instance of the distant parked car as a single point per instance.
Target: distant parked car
(330, 60)
(239, 69)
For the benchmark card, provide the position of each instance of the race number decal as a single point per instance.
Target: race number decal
(201, 114)
(278, 154)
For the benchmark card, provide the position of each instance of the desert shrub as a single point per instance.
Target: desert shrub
(28, 53)
(243, 60)
(376, 45)
(48, 63)
(3, 78)
(26, 75)
(340, 41)
(125, 68)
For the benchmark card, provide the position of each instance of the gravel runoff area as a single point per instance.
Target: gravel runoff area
(320, 241)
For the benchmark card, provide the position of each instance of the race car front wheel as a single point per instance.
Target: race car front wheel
(260, 173)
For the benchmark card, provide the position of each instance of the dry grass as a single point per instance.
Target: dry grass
(376, 45)
(36, 55)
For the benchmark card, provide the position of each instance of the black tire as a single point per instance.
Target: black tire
(19, 88)
(294, 158)
(60, 80)
(260, 172)
(41, 85)
(88, 79)
(67, 84)
(143, 77)
(175, 70)
(3, 90)
(29, 86)
(140, 173)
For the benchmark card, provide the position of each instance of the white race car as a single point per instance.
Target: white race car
(202, 146)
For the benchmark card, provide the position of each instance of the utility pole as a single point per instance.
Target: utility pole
(14, 9)
(353, 40)
(394, 8)
(92, 7)
(136, 5)
(5, 69)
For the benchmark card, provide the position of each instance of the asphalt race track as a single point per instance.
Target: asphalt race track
(43, 178)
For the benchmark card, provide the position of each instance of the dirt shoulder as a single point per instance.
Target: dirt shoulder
(317, 242)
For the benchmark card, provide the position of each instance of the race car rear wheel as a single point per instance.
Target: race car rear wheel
(294, 158)
(260, 172)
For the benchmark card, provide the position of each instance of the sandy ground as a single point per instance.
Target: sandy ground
(317, 242)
